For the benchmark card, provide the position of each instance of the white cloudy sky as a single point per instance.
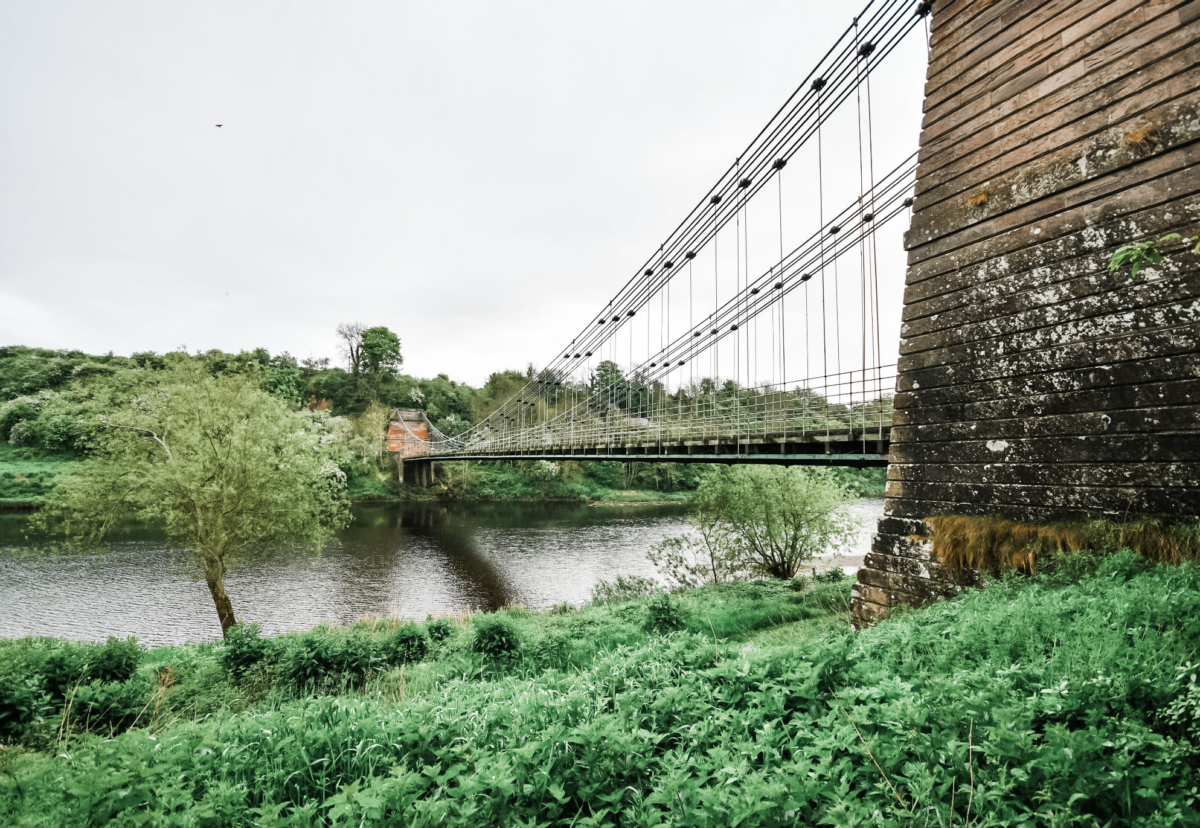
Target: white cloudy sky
(477, 176)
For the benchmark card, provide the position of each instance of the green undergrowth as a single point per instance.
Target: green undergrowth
(1068, 699)
(592, 481)
(371, 486)
(27, 475)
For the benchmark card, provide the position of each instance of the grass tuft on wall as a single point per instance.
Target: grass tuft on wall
(995, 544)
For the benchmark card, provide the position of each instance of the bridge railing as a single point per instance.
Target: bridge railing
(853, 405)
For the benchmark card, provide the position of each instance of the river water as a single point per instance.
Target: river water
(407, 560)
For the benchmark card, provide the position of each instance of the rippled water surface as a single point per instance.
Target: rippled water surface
(405, 560)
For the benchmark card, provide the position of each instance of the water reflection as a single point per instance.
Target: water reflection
(406, 560)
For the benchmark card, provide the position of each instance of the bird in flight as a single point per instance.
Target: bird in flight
(220, 125)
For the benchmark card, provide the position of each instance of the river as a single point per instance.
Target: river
(407, 560)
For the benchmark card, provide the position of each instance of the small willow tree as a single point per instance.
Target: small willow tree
(773, 519)
(222, 465)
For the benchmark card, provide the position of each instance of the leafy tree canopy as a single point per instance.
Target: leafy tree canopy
(221, 464)
(760, 520)
(380, 352)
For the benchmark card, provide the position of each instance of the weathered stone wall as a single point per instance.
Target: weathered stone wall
(1034, 383)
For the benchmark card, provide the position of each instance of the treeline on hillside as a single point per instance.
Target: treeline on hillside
(53, 401)
(31, 379)
(49, 401)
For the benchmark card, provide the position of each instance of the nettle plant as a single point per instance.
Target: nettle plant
(1151, 251)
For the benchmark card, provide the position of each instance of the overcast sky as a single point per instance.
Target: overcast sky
(478, 176)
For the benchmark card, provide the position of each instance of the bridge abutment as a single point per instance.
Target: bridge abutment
(1034, 382)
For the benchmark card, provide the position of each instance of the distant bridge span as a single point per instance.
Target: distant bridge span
(843, 421)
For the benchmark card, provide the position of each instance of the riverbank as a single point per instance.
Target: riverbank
(1060, 700)
(594, 482)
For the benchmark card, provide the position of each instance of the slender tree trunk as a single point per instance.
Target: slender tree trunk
(214, 573)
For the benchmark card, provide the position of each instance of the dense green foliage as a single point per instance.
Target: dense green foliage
(603, 480)
(408, 644)
(1033, 702)
(495, 638)
(567, 480)
(244, 649)
(46, 676)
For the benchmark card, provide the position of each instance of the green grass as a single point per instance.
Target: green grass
(27, 475)
(1029, 703)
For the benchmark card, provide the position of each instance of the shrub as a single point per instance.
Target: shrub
(551, 650)
(22, 704)
(664, 615)
(830, 576)
(624, 588)
(13, 413)
(1123, 566)
(439, 629)
(407, 644)
(311, 661)
(1069, 567)
(64, 667)
(317, 659)
(495, 638)
(244, 648)
(22, 434)
(356, 657)
(1182, 715)
(110, 706)
(769, 519)
(116, 660)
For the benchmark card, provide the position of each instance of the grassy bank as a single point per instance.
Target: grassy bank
(1065, 700)
(27, 475)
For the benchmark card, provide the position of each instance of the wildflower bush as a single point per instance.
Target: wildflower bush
(664, 615)
(1028, 703)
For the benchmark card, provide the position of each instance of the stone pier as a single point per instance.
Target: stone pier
(1034, 382)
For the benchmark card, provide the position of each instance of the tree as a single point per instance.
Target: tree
(608, 387)
(221, 464)
(350, 333)
(711, 556)
(763, 519)
(379, 354)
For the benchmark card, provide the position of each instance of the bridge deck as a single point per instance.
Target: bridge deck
(869, 448)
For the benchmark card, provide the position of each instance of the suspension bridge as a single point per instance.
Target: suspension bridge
(753, 332)
(1032, 380)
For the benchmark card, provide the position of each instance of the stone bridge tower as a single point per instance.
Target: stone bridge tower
(407, 441)
(1033, 382)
